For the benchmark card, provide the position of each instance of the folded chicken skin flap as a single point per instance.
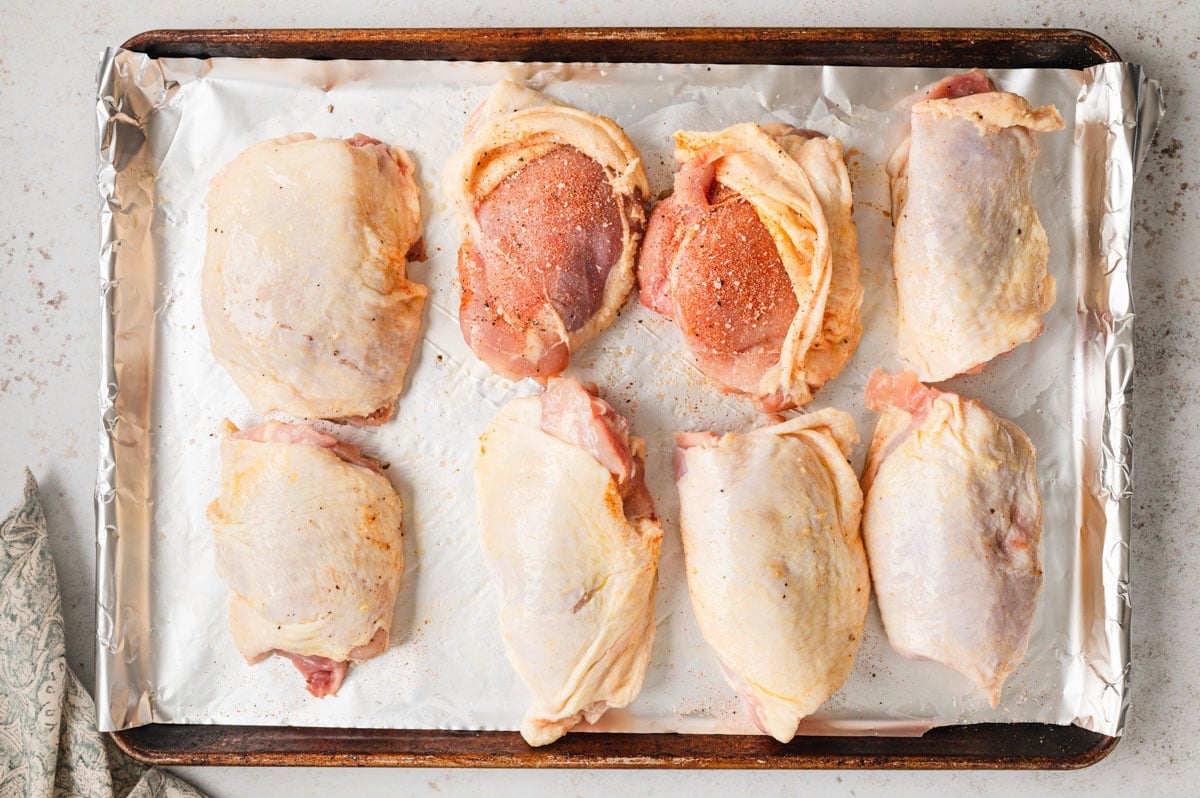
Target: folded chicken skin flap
(755, 258)
(970, 254)
(551, 200)
(775, 565)
(304, 291)
(308, 535)
(572, 541)
(952, 525)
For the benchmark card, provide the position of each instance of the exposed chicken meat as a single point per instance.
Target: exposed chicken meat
(755, 258)
(552, 203)
(952, 524)
(775, 564)
(304, 290)
(970, 254)
(575, 415)
(570, 535)
(308, 536)
(322, 676)
(278, 432)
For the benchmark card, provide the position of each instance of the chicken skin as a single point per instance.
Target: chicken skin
(552, 205)
(970, 254)
(755, 258)
(304, 290)
(952, 525)
(775, 565)
(571, 538)
(308, 536)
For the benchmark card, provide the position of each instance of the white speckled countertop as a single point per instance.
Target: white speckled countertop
(49, 352)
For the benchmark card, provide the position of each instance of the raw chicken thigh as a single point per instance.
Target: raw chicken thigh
(570, 535)
(970, 254)
(755, 257)
(304, 290)
(952, 524)
(775, 564)
(308, 536)
(552, 205)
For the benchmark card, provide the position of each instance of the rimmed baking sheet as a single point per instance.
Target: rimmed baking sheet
(167, 125)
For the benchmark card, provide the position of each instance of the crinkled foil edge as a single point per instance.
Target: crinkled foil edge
(1121, 108)
(130, 88)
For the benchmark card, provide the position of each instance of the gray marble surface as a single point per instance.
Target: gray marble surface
(49, 348)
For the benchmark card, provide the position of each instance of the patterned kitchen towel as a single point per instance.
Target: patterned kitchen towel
(49, 745)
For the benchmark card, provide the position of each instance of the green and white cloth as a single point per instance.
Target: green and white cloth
(49, 745)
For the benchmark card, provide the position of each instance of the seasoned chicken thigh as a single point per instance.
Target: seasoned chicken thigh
(304, 290)
(570, 534)
(952, 524)
(775, 564)
(755, 258)
(970, 254)
(552, 205)
(308, 536)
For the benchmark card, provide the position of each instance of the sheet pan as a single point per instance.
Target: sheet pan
(168, 124)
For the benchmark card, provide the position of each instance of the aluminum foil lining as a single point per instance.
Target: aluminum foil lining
(165, 655)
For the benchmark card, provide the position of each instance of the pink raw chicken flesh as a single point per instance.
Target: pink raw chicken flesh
(755, 258)
(970, 254)
(775, 564)
(308, 536)
(952, 524)
(552, 204)
(571, 538)
(304, 290)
